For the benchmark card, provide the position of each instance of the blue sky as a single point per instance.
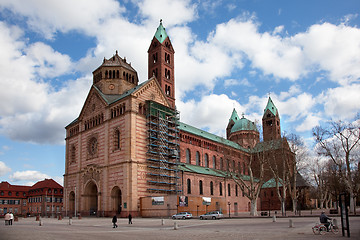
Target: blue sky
(228, 54)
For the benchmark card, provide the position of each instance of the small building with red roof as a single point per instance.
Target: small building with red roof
(44, 198)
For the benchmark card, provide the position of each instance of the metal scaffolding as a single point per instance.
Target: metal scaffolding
(163, 148)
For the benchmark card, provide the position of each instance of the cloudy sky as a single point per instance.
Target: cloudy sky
(305, 54)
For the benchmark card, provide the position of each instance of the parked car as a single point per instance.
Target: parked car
(212, 215)
(182, 215)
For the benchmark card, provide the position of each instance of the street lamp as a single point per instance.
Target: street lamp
(197, 210)
(229, 208)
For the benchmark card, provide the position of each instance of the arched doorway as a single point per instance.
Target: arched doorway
(116, 200)
(91, 198)
(71, 203)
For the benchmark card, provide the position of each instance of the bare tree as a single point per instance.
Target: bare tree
(319, 176)
(340, 142)
(295, 164)
(251, 185)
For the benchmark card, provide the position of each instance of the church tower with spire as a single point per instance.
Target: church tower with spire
(161, 63)
(271, 122)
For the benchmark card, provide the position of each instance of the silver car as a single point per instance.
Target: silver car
(212, 215)
(182, 215)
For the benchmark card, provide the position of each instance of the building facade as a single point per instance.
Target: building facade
(44, 198)
(127, 152)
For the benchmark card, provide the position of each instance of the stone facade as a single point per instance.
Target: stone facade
(110, 165)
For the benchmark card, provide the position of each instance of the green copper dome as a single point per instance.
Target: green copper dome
(161, 33)
(244, 124)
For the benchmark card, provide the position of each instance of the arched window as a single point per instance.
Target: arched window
(117, 139)
(244, 168)
(197, 158)
(188, 156)
(106, 74)
(117, 74)
(236, 190)
(220, 189)
(200, 187)
(73, 153)
(188, 186)
(229, 190)
(214, 162)
(227, 165)
(206, 160)
(211, 188)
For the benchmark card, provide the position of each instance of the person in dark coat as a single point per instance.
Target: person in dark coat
(325, 220)
(114, 220)
(130, 219)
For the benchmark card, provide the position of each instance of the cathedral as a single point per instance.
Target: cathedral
(129, 153)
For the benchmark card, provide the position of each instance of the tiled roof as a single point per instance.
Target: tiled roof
(5, 186)
(116, 60)
(201, 133)
(112, 98)
(47, 183)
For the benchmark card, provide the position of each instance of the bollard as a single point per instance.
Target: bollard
(41, 222)
(37, 218)
(291, 224)
(60, 217)
(274, 218)
(70, 221)
(176, 227)
(162, 221)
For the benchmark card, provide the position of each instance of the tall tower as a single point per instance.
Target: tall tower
(271, 122)
(161, 63)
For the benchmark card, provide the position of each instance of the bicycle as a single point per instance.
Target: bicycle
(321, 229)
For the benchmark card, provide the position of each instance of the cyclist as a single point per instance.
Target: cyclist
(325, 220)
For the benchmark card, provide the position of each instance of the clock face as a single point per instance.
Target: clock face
(111, 86)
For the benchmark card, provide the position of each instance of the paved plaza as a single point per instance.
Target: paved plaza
(150, 228)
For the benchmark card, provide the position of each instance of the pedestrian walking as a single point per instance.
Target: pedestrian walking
(114, 220)
(7, 218)
(11, 218)
(130, 219)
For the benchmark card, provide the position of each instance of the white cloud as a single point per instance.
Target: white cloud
(174, 11)
(31, 110)
(309, 122)
(48, 17)
(30, 176)
(334, 49)
(4, 169)
(342, 102)
(211, 112)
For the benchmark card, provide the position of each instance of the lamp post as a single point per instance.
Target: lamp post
(197, 210)
(229, 208)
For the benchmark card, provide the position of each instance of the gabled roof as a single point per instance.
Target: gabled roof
(271, 107)
(116, 60)
(198, 132)
(270, 145)
(47, 183)
(272, 183)
(160, 33)
(9, 187)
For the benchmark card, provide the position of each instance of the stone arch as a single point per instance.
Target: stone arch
(71, 203)
(91, 198)
(116, 200)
